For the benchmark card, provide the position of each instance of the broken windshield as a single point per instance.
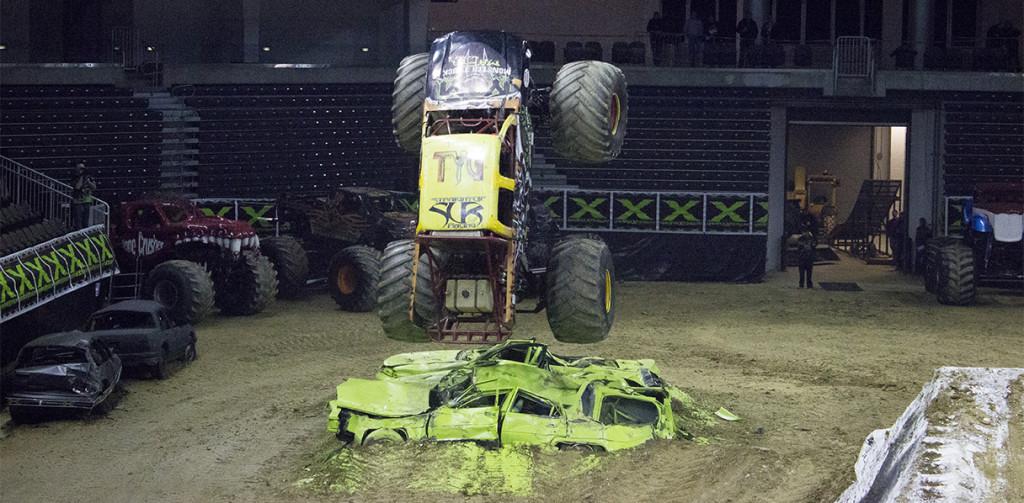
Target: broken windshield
(175, 214)
(451, 387)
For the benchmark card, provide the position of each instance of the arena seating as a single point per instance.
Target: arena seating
(983, 139)
(266, 140)
(53, 127)
(685, 139)
(21, 227)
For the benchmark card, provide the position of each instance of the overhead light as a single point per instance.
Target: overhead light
(3, 47)
(266, 48)
(150, 48)
(365, 49)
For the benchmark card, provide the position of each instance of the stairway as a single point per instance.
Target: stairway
(545, 176)
(179, 153)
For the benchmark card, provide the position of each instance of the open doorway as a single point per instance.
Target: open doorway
(847, 181)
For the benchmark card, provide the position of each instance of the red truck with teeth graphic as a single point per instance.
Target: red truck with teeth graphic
(191, 262)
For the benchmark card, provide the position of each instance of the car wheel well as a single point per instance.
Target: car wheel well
(401, 432)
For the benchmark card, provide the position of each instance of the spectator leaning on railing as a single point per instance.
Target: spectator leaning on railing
(81, 196)
(694, 31)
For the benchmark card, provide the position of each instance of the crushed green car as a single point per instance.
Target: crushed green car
(514, 393)
(430, 366)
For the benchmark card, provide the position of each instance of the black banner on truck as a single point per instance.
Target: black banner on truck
(36, 275)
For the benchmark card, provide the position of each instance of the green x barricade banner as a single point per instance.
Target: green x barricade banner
(635, 211)
(260, 213)
(728, 213)
(761, 214)
(588, 210)
(48, 270)
(682, 212)
(555, 203)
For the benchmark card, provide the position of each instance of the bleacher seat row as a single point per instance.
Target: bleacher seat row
(51, 128)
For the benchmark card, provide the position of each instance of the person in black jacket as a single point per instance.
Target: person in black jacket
(806, 254)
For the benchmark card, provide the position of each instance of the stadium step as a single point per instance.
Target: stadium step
(179, 146)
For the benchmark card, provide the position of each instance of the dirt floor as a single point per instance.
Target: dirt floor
(811, 373)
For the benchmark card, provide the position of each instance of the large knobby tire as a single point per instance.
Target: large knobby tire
(407, 101)
(588, 111)
(956, 281)
(248, 285)
(395, 291)
(353, 278)
(580, 291)
(183, 287)
(290, 262)
(932, 250)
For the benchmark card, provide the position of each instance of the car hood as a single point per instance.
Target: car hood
(383, 398)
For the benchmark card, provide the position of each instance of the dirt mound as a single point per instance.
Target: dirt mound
(959, 440)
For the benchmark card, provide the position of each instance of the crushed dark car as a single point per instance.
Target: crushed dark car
(63, 371)
(144, 335)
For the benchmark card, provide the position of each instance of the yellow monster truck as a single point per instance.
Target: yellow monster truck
(464, 107)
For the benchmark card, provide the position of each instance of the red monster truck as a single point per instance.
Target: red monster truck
(190, 262)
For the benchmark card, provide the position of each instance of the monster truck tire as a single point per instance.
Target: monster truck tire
(932, 250)
(353, 278)
(248, 285)
(588, 111)
(407, 101)
(395, 290)
(291, 263)
(183, 287)
(580, 291)
(956, 281)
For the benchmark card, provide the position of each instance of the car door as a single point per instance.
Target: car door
(168, 332)
(627, 421)
(529, 419)
(472, 418)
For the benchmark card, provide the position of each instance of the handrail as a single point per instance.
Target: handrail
(52, 198)
(853, 57)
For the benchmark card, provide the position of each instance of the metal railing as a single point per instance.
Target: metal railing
(50, 197)
(853, 57)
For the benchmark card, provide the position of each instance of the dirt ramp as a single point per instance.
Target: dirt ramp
(959, 440)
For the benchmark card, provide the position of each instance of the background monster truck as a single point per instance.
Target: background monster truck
(190, 262)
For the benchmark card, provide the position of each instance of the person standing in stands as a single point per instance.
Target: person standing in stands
(746, 29)
(806, 246)
(82, 187)
(656, 31)
(694, 31)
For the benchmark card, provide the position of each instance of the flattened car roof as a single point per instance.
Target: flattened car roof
(71, 339)
(138, 306)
